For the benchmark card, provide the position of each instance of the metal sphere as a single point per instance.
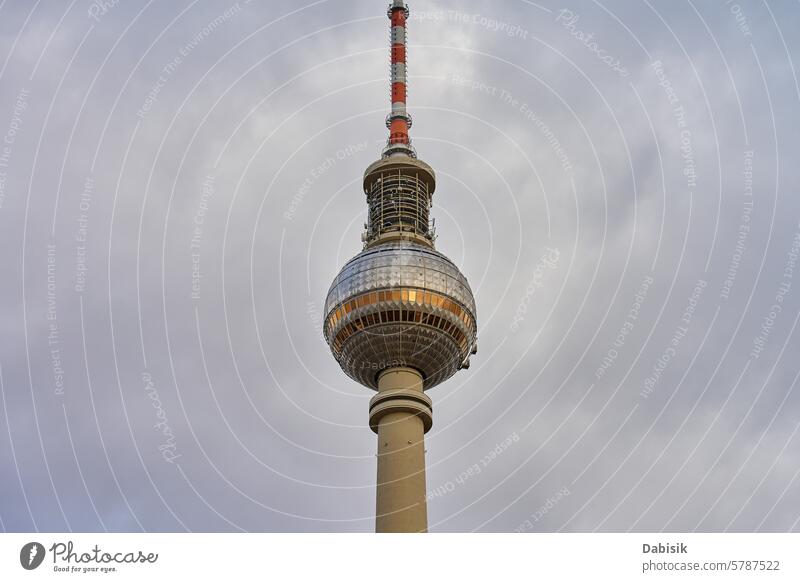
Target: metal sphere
(400, 304)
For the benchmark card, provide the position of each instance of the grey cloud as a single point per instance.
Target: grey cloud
(271, 436)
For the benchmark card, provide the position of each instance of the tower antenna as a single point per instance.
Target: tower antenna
(399, 121)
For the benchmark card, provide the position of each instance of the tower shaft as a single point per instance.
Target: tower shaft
(401, 415)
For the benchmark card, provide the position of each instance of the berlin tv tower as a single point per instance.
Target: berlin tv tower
(400, 316)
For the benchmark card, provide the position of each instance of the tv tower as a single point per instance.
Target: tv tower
(400, 316)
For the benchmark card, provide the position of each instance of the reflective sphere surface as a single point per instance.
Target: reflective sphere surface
(400, 304)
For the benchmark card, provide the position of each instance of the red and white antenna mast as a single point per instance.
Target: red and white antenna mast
(398, 120)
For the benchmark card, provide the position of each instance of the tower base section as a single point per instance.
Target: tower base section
(401, 414)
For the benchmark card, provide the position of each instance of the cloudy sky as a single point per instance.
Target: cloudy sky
(179, 184)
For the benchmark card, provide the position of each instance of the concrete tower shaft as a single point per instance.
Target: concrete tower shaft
(401, 414)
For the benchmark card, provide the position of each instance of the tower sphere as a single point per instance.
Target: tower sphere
(400, 304)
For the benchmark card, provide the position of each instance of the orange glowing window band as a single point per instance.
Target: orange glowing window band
(406, 295)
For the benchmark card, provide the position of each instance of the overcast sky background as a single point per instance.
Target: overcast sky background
(570, 192)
